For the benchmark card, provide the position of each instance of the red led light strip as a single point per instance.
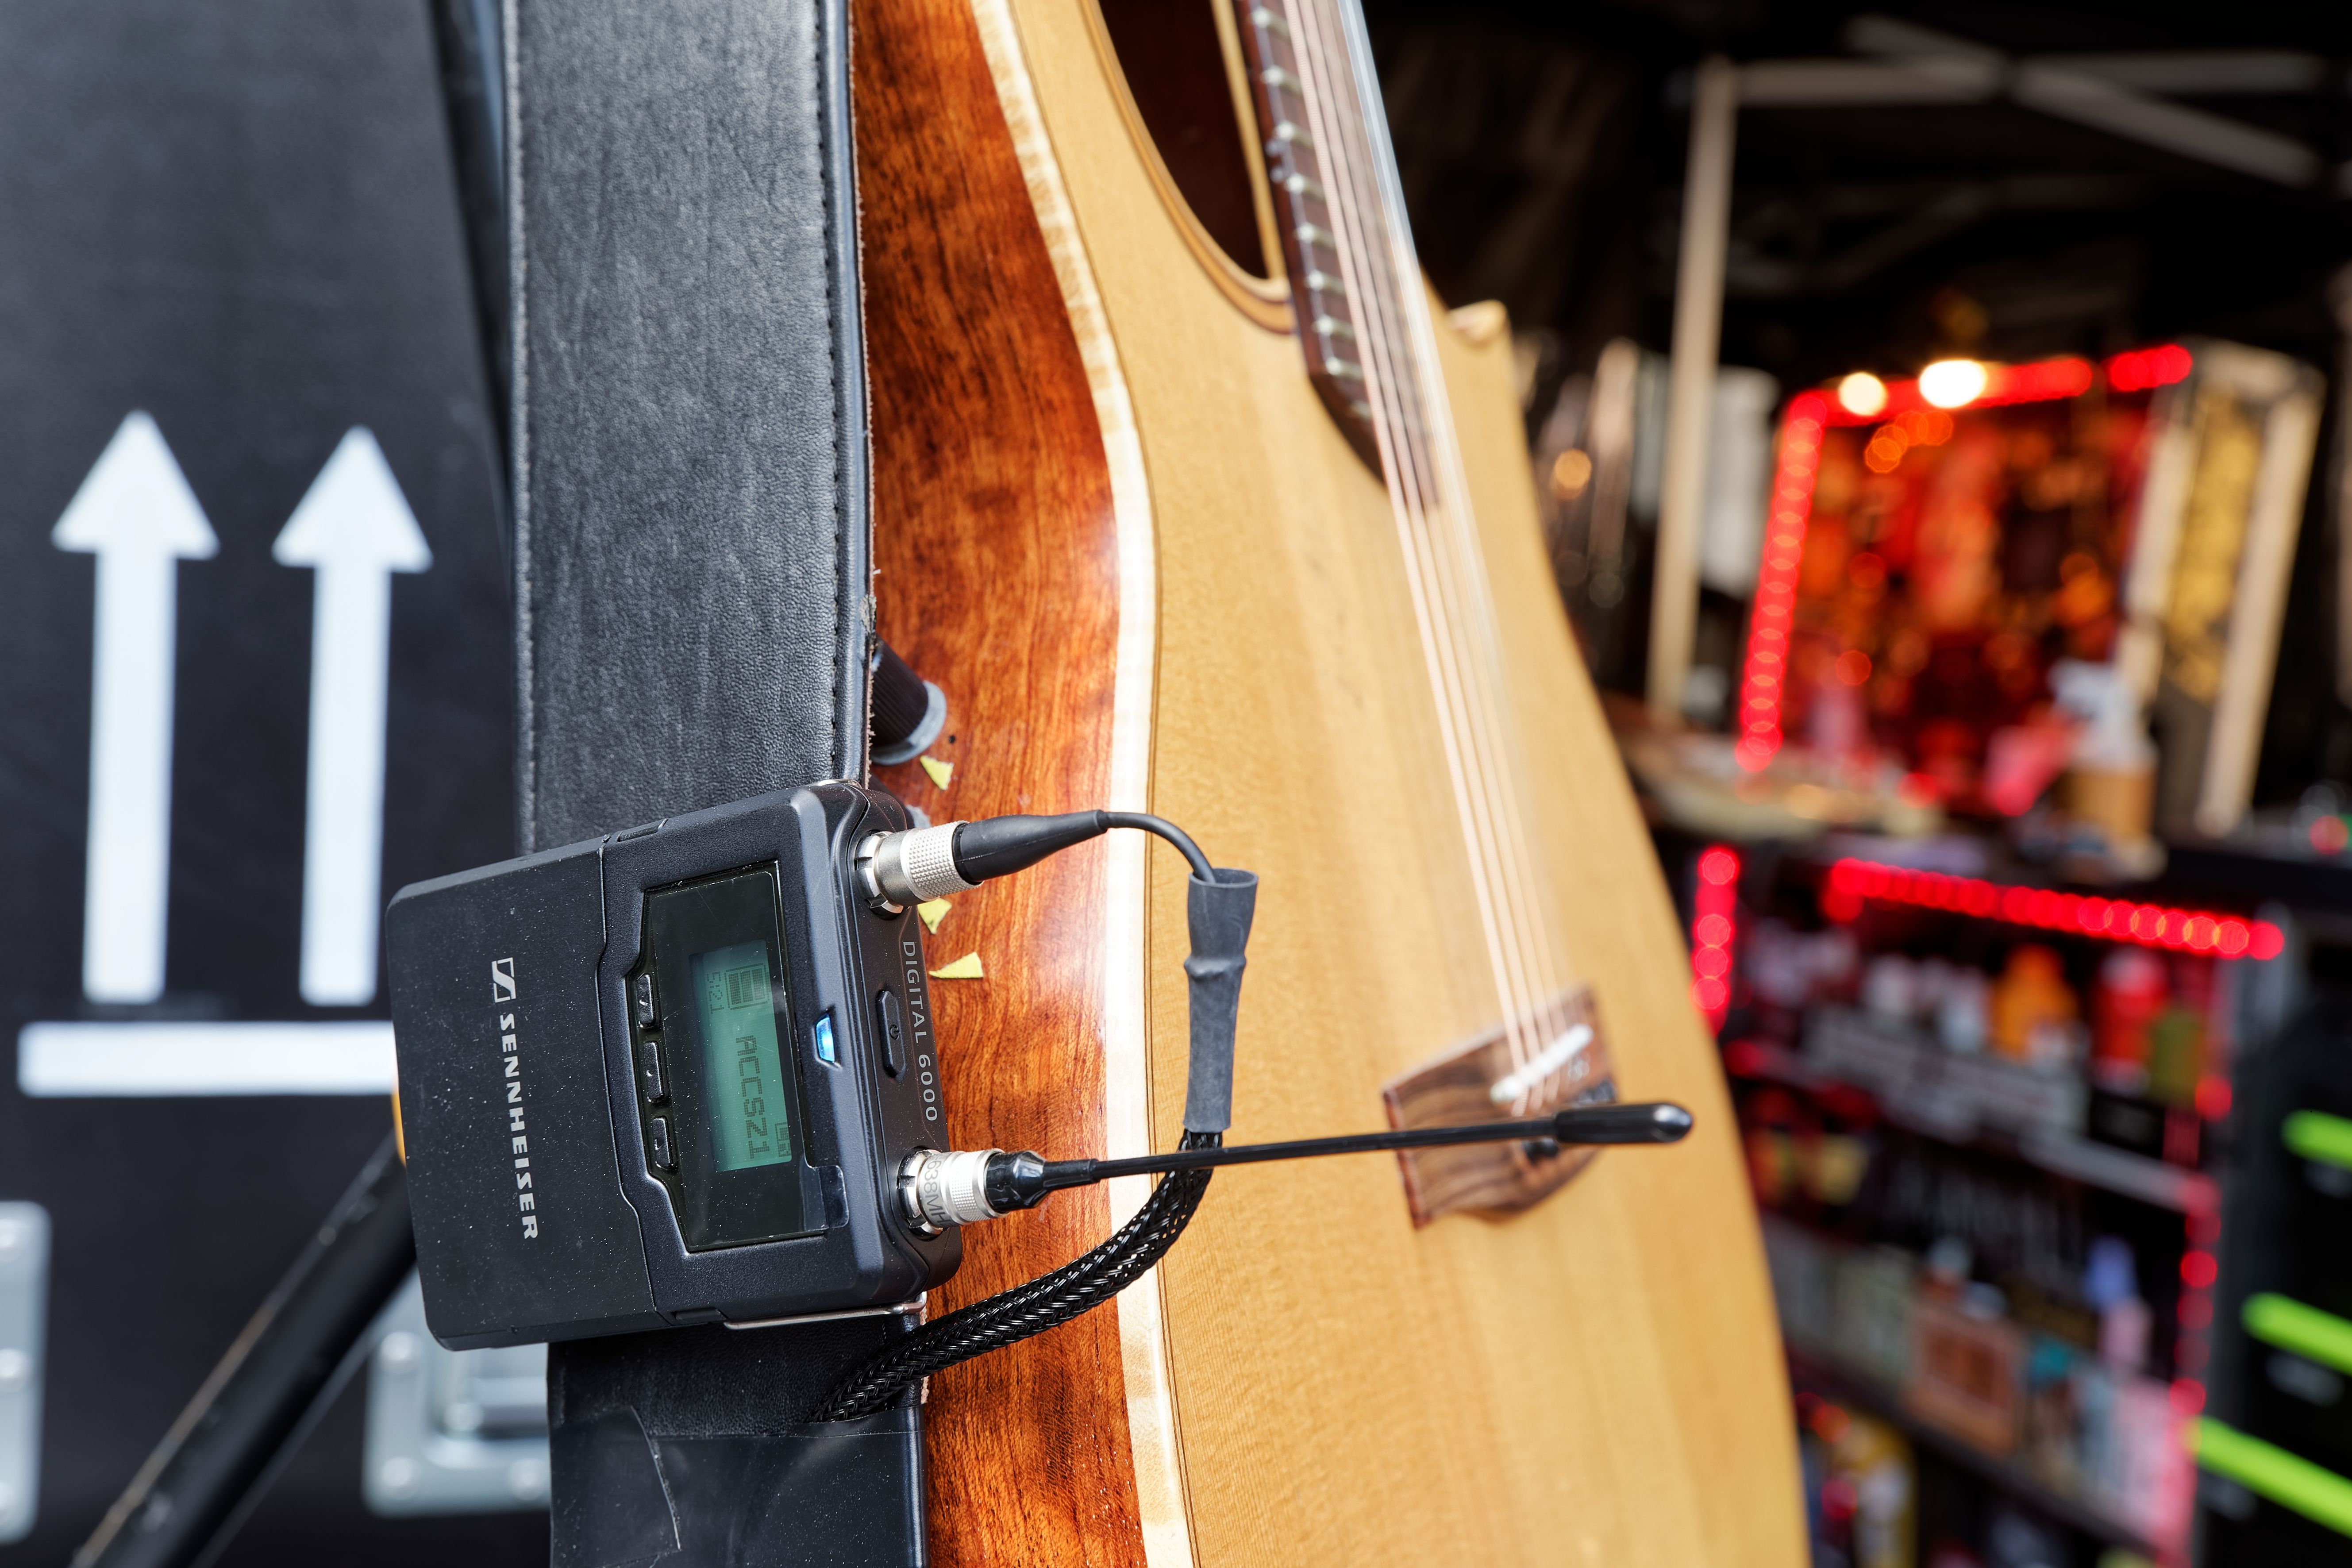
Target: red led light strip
(2108, 919)
(2200, 1268)
(1775, 607)
(2037, 382)
(2041, 382)
(2142, 369)
(1714, 926)
(1774, 613)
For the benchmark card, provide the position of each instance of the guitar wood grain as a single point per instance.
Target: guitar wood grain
(997, 578)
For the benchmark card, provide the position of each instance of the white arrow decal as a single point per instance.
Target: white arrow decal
(135, 512)
(354, 527)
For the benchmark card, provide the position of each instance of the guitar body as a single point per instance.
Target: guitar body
(1116, 524)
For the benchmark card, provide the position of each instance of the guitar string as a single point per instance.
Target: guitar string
(1448, 544)
(1469, 610)
(1405, 410)
(1444, 675)
(1410, 440)
(1506, 761)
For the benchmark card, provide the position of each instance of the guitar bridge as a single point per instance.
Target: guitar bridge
(1480, 1081)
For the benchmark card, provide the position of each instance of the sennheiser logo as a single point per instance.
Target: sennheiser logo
(518, 1141)
(503, 980)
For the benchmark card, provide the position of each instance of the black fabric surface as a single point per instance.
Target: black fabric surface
(237, 217)
(690, 507)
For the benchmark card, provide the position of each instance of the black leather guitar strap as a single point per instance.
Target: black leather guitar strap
(691, 561)
(691, 535)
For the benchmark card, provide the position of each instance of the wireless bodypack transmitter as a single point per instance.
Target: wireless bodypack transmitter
(668, 1077)
(687, 1074)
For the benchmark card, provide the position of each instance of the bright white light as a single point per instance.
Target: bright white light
(1952, 383)
(1862, 394)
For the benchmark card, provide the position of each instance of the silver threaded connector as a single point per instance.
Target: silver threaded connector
(938, 1191)
(914, 867)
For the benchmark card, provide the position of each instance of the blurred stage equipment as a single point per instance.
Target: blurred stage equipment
(2123, 94)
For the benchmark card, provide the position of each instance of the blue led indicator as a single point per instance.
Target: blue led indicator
(824, 1033)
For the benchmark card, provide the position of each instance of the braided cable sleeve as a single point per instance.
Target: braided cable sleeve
(1004, 1319)
(1045, 1302)
(1059, 1283)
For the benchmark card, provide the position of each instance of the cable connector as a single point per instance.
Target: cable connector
(896, 870)
(939, 1190)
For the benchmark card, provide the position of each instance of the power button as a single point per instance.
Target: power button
(890, 1030)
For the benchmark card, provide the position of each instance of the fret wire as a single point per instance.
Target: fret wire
(1292, 156)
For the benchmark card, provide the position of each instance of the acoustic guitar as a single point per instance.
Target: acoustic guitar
(1193, 501)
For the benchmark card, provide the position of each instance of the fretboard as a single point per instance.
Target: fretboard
(1304, 205)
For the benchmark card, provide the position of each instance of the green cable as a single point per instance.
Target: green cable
(2307, 1332)
(2316, 1135)
(2269, 1472)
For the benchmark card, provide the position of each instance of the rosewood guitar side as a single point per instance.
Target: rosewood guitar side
(996, 575)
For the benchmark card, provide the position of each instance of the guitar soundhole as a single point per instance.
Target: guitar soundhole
(1174, 64)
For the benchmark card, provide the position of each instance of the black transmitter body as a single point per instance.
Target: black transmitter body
(666, 1077)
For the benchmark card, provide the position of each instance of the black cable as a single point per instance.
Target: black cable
(1167, 830)
(1046, 1303)
(995, 845)
(1218, 911)
(1021, 1180)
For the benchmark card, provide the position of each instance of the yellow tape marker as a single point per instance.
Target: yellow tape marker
(940, 772)
(933, 914)
(964, 968)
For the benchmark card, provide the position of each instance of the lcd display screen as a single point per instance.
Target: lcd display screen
(742, 1065)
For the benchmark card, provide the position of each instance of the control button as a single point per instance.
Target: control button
(658, 1129)
(642, 993)
(822, 1035)
(890, 1029)
(650, 1077)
